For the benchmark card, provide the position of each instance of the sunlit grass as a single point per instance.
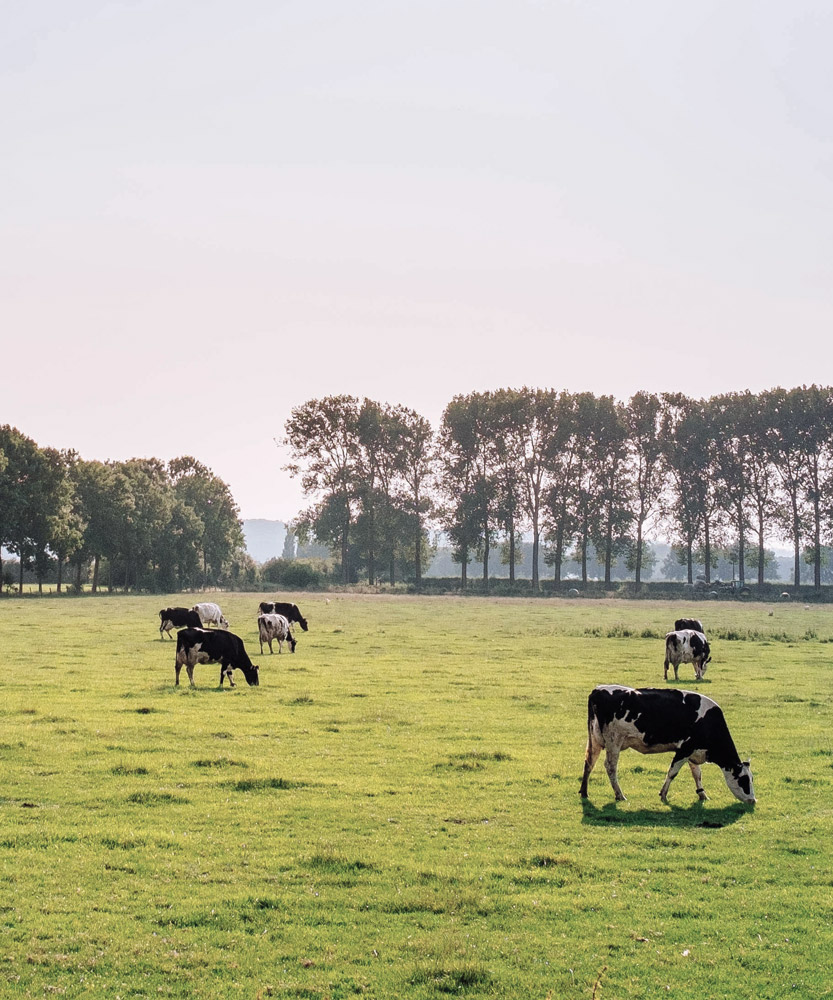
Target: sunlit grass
(395, 810)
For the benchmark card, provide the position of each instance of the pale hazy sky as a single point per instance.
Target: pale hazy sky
(214, 211)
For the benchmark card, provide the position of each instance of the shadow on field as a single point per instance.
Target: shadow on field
(696, 814)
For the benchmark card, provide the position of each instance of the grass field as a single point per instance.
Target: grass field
(394, 812)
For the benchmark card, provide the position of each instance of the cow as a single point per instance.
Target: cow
(210, 614)
(662, 720)
(289, 611)
(177, 618)
(687, 646)
(271, 627)
(694, 623)
(208, 645)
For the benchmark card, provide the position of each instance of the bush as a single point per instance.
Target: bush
(295, 574)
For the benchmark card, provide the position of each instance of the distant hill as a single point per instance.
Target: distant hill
(264, 539)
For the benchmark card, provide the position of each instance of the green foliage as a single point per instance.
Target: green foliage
(295, 574)
(406, 822)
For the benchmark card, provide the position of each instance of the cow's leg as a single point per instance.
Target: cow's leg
(673, 771)
(676, 671)
(591, 755)
(665, 668)
(697, 774)
(177, 668)
(261, 644)
(612, 768)
(190, 669)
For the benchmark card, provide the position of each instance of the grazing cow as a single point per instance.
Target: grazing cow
(687, 646)
(177, 618)
(289, 611)
(694, 623)
(271, 627)
(208, 645)
(210, 614)
(661, 720)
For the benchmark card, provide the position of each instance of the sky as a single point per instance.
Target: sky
(214, 211)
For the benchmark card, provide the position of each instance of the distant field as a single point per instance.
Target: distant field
(394, 812)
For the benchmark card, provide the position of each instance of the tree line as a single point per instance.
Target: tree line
(578, 473)
(141, 523)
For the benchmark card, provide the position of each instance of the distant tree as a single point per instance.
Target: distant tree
(214, 522)
(565, 471)
(414, 442)
(464, 482)
(686, 450)
(19, 488)
(323, 438)
(609, 481)
(289, 541)
(643, 420)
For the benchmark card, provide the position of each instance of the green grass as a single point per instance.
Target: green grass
(394, 812)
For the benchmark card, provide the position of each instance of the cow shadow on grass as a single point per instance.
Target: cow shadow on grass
(697, 814)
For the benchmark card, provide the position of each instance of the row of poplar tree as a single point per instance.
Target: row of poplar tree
(572, 471)
(150, 524)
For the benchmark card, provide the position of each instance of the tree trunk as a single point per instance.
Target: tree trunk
(511, 549)
(559, 552)
(584, 556)
(20, 577)
(536, 542)
(486, 555)
(392, 568)
(608, 554)
(707, 550)
(464, 566)
(345, 571)
(741, 547)
(761, 549)
(60, 572)
(418, 554)
(96, 559)
(816, 545)
(78, 576)
(1, 572)
(689, 545)
(638, 579)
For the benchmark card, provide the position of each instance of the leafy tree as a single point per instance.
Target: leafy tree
(685, 445)
(212, 518)
(609, 481)
(463, 479)
(565, 471)
(323, 437)
(643, 419)
(414, 439)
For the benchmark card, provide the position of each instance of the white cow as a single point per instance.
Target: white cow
(210, 614)
(271, 627)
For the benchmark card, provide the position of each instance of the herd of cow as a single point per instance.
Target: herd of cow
(649, 720)
(665, 720)
(195, 643)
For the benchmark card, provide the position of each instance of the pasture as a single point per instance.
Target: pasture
(394, 811)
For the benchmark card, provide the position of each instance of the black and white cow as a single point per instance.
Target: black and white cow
(177, 618)
(694, 623)
(210, 614)
(687, 646)
(271, 627)
(661, 720)
(289, 611)
(208, 645)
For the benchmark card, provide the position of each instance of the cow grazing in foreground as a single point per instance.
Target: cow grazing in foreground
(207, 645)
(660, 720)
(289, 611)
(177, 618)
(271, 627)
(694, 623)
(687, 646)
(210, 614)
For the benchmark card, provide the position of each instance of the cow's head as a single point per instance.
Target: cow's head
(739, 780)
(292, 642)
(251, 675)
(223, 622)
(302, 621)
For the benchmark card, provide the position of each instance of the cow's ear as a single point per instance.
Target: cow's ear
(746, 763)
